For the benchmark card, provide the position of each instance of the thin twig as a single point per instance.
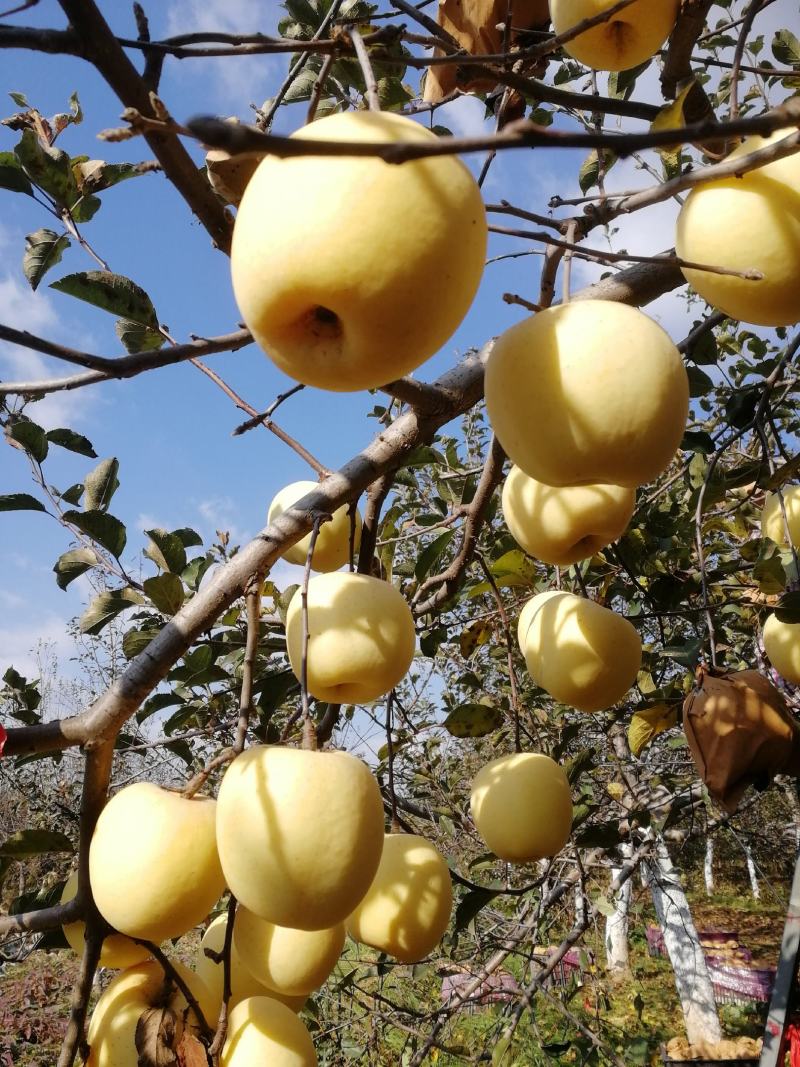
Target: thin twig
(371, 85)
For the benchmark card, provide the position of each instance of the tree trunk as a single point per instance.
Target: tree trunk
(616, 939)
(708, 867)
(683, 948)
(751, 870)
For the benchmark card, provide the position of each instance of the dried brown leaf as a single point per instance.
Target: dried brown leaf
(155, 1038)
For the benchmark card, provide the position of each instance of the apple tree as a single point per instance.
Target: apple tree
(201, 658)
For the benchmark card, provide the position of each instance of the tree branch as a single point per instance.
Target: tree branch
(109, 368)
(101, 48)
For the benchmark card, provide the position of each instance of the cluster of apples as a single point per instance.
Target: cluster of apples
(782, 639)
(298, 837)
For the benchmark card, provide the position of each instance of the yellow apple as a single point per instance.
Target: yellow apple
(112, 1029)
(361, 637)
(264, 1033)
(782, 645)
(578, 651)
(118, 951)
(772, 524)
(243, 983)
(300, 834)
(522, 807)
(332, 549)
(588, 392)
(627, 39)
(745, 223)
(287, 961)
(407, 908)
(566, 524)
(153, 862)
(349, 271)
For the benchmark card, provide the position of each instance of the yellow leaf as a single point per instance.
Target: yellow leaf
(476, 634)
(672, 117)
(648, 724)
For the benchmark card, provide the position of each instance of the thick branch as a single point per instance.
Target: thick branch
(101, 48)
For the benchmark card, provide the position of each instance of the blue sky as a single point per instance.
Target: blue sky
(171, 430)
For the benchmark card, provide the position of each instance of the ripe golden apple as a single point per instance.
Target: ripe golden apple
(745, 223)
(287, 961)
(407, 908)
(153, 862)
(118, 951)
(782, 645)
(264, 1033)
(332, 549)
(588, 392)
(300, 834)
(580, 652)
(772, 524)
(566, 524)
(112, 1029)
(627, 39)
(522, 807)
(243, 982)
(349, 271)
(361, 637)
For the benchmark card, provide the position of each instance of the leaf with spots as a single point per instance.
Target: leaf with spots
(111, 292)
(473, 720)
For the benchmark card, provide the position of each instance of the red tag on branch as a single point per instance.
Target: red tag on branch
(3, 739)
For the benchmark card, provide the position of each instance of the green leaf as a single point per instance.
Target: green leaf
(136, 641)
(788, 607)
(699, 381)
(20, 502)
(687, 652)
(49, 168)
(74, 442)
(590, 171)
(105, 607)
(12, 176)
(166, 592)
(103, 528)
(73, 564)
(470, 905)
(770, 575)
(698, 441)
(32, 438)
(786, 48)
(157, 702)
(606, 835)
(473, 720)
(85, 208)
(101, 484)
(43, 249)
(34, 843)
(20, 99)
(188, 537)
(95, 175)
(137, 338)
(166, 550)
(432, 553)
(111, 292)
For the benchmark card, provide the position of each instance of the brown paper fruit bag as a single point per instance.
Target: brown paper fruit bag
(473, 23)
(740, 733)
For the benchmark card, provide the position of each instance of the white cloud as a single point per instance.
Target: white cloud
(18, 644)
(220, 513)
(238, 81)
